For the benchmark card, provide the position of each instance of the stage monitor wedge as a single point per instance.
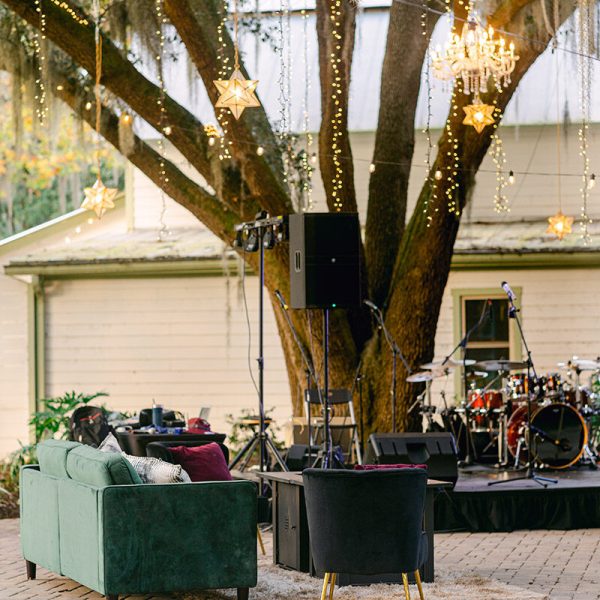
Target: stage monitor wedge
(324, 260)
(436, 450)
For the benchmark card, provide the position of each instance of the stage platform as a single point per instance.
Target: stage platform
(473, 505)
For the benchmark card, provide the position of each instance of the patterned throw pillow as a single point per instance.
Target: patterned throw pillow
(154, 470)
(150, 470)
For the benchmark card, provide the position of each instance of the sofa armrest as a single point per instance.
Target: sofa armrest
(178, 537)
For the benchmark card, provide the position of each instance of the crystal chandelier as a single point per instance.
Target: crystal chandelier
(475, 56)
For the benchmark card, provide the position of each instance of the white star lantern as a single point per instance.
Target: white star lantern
(99, 198)
(237, 93)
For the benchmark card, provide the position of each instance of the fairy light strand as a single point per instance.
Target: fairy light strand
(223, 114)
(164, 127)
(307, 192)
(585, 14)
(337, 180)
(39, 47)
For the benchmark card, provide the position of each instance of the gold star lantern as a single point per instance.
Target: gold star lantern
(560, 225)
(99, 198)
(236, 93)
(479, 115)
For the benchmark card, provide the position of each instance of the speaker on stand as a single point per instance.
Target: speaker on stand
(325, 274)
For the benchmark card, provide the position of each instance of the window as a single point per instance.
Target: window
(492, 339)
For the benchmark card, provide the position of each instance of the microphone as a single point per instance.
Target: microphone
(511, 295)
(371, 305)
(281, 299)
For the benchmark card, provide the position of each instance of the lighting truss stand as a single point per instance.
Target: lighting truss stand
(531, 472)
(259, 228)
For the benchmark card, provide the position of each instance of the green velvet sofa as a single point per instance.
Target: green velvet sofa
(86, 515)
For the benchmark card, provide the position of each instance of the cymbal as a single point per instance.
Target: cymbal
(500, 365)
(420, 377)
(580, 364)
(477, 375)
(440, 364)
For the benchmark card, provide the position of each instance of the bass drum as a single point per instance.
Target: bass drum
(561, 434)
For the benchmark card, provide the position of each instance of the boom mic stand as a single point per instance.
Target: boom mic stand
(310, 371)
(463, 346)
(260, 235)
(396, 352)
(531, 472)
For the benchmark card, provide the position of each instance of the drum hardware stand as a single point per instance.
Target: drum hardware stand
(260, 235)
(396, 353)
(531, 471)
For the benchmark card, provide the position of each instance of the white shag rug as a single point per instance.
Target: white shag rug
(275, 583)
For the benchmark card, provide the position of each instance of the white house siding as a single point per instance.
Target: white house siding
(530, 148)
(180, 341)
(15, 350)
(560, 314)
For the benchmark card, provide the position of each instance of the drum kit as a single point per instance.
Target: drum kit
(491, 423)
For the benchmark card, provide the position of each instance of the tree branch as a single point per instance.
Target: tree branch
(335, 64)
(197, 23)
(394, 142)
(121, 78)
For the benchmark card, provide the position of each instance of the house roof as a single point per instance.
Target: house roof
(479, 245)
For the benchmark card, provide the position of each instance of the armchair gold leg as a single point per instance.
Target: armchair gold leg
(260, 540)
(325, 584)
(332, 585)
(405, 582)
(418, 579)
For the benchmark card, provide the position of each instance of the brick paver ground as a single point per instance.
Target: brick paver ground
(563, 564)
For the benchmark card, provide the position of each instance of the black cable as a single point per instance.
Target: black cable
(248, 321)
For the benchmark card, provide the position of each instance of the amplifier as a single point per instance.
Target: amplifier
(436, 450)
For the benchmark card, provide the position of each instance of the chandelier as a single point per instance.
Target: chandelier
(475, 56)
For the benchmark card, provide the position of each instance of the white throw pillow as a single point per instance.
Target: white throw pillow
(110, 444)
(154, 470)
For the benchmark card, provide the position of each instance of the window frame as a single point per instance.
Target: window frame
(459, 296)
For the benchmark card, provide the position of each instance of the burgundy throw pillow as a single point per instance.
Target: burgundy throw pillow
(377, 467)
(202, 463)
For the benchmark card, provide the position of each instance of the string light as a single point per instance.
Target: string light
(308, 138)
(511, 177)
(313, 158)
(592, 182)
(372, 168)
(222, 113)
(438, 175)
(164, 128)
(212, 133)
(260, 151)
(586, 16)
(337, 101)
(88, 106)
(74, 15)
(39, 48)
(431, 199)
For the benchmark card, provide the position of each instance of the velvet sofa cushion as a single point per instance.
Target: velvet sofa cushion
(202, 463)
(92, 467)
(52, 456)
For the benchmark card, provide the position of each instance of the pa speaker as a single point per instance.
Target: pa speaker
(436, 450)
(324, 260)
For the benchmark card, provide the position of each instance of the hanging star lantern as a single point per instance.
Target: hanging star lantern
(99, 198)
(479, 115)
(560, 225)
(237, 93)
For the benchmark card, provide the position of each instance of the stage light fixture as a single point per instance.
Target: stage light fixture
(252, 241)
(269, 238)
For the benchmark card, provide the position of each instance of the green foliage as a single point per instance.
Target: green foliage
(9, 479)
(53, 421)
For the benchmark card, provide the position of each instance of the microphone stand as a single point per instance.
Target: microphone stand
(358, 383)
(463, 346)
(396, 353)
(531, 471)
(310, 371)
